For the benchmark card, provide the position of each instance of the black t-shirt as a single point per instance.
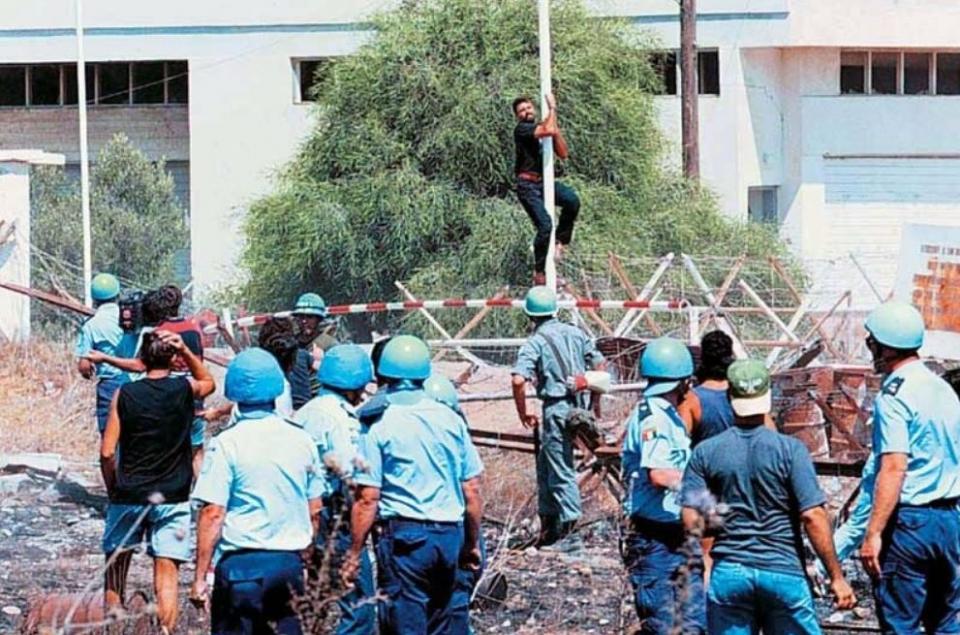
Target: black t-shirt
(154, 454)
(301, 377)
(529, 158)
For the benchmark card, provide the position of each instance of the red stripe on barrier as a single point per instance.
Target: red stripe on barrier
(412, 304)
(457, 302)
(499, 302)
(376, 307)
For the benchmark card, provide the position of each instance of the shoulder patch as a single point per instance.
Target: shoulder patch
(643, 409)
(372, 411)
(893, 386)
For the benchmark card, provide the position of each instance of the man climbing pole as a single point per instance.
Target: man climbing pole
(529, 169)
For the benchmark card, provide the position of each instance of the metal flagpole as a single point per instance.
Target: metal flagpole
(84, 158)
(546, 83)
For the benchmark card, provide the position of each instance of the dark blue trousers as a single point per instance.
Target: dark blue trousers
(252, 593)
(417, 572)
(466, 582)
(566, 199)
(920, 565)
(358, 613)
(656, 560)
(106, 388)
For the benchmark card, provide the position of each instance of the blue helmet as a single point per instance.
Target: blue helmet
(442, 389)
(897, 325)
(664, 363)
(104, 286)
(540, 302)
(254, 376)
(405, 357)
(310, 304)
(345, 367)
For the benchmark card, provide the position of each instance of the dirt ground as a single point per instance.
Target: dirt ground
(50, 526)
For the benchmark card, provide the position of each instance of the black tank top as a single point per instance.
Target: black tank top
(154, 454)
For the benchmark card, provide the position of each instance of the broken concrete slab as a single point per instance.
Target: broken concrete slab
(13, 484)
(40, 463)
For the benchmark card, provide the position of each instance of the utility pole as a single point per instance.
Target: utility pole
(547, 142)
(84, 158)
(689, 96)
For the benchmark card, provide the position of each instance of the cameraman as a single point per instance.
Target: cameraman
(100, 338)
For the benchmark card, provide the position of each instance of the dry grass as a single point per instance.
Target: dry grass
(46, 405)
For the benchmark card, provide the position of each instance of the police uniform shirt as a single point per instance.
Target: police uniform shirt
(537, 361)
(418, 454)
(102, 332)
(918, 414)
(263, 470)
(332, 422)
(656, 439)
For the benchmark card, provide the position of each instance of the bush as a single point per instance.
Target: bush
(137, 224)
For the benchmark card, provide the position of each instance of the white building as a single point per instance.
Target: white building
(839, 120)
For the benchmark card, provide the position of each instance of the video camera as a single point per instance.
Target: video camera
(131, 311)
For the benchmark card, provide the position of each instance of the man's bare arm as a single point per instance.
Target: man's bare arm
(474, 514)
(108, 445)
(202, 381)
(886, 496)
(519, 385)
(816, 522)
(129, 364)
(362, 516)
(692, 521)
(665, 477)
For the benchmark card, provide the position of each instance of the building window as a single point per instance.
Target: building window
(948, 73)
(664, 64)
(113, 81)
(148, 82)
(177, 84)
(708, 72)
(762, 205)
(45, 85)
(884, 69)
(310, 73)
(916, 73)
(853, 73)
(13, 85)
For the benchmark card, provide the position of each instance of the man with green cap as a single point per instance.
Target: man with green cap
(557, 357)
(766, 484)
(102, 332)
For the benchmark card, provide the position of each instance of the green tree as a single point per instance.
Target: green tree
(136, 221)
(407, 173)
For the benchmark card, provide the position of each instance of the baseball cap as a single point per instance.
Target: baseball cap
(749, 387)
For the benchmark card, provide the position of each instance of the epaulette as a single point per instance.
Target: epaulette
(372, 411)
(643, 409)
(295, 424)
(893, 386)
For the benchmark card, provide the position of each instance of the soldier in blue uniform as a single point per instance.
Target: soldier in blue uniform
(331, 419)
(421, 483)
(655, 453)
(442, 389)
(553, 357)
(261, 487)
(102, 333)
(912, 544)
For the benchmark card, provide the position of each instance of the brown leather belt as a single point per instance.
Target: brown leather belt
(533, 177)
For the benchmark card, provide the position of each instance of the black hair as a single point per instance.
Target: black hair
(152, 310)
(277, 337)
(155, 353)
(716, 355)
(169, 299)
(520, 100)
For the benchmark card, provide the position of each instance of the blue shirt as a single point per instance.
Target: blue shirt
(766, 480)
(263, 470)
(536, 360)
(656, 439)
(102, 332)
(918, 414)
(332, 422)
(418, 454)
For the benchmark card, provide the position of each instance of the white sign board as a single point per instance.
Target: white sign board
(928, 276)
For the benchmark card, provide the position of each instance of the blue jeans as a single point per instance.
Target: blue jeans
(252, 593)
(657, 560)
(920, 582)
(358, 614)
(531, 198)
(106, 388)
(742, 600)
(417, 571)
